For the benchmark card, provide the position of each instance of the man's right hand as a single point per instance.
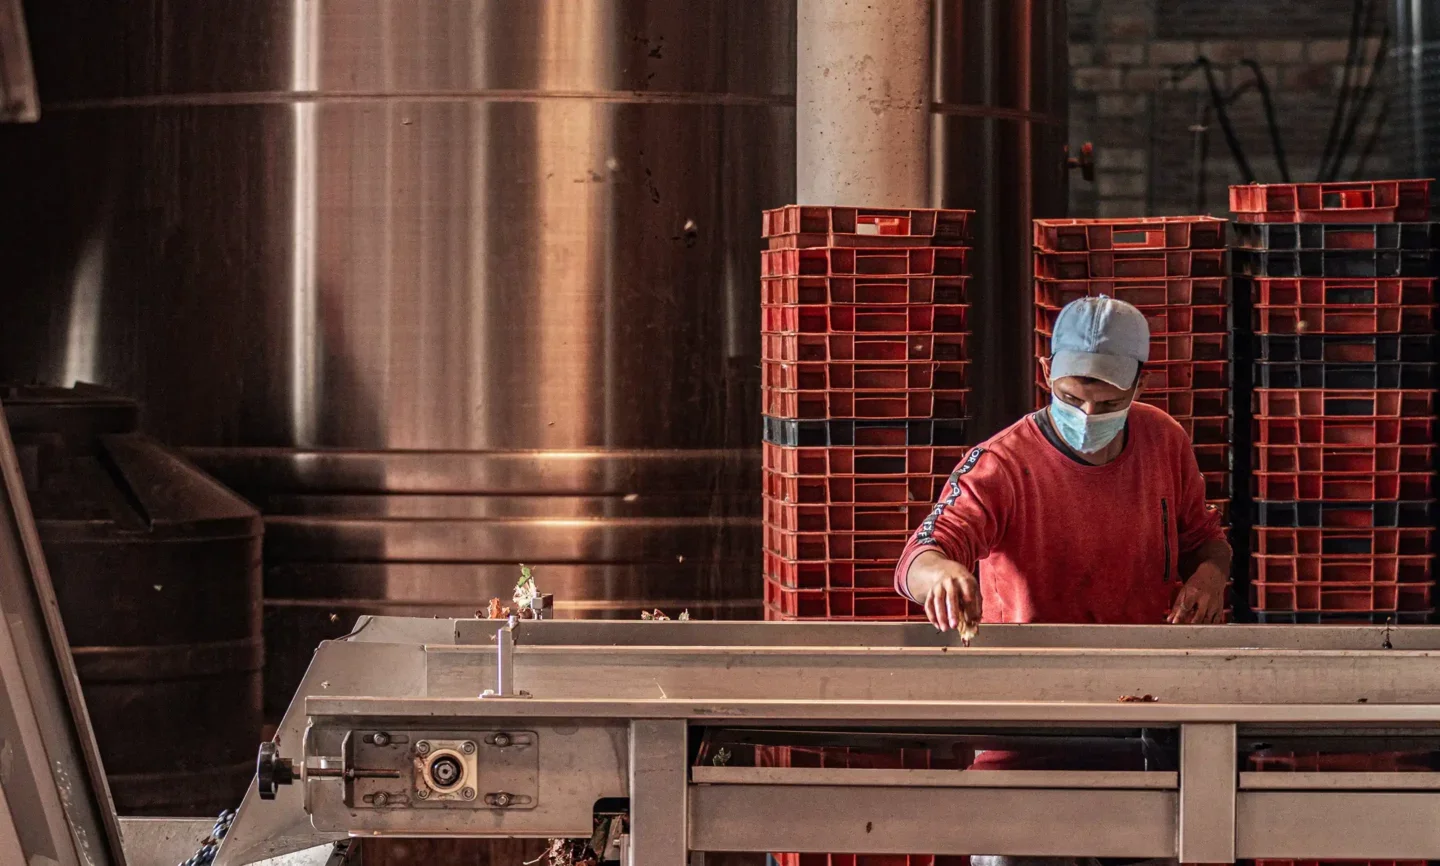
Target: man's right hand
(950, 592)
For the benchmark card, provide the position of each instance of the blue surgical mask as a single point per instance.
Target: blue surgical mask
(1086, 433)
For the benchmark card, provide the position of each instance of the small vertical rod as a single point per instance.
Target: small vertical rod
(505, 659)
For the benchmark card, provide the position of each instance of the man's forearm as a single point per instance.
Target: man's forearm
(924, 571)
(1216, 553)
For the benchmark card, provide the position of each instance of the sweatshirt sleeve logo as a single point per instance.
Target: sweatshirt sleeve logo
(926, 535)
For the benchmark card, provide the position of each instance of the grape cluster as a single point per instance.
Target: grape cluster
(206, 855)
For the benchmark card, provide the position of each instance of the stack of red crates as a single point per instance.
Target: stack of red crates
(1340, 282)
(866, 391)
(1173, 270)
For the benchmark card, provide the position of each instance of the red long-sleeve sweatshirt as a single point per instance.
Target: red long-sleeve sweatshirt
(1061, 541)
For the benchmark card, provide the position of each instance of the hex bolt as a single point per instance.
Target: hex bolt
(380, 798)
(468, 748)
(423, 793)
(422, 747)
(502, 740)
(468, 793)
(381, 739)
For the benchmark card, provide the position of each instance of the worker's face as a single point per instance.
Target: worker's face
(1091, 396)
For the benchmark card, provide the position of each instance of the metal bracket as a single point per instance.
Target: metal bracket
(505, 664)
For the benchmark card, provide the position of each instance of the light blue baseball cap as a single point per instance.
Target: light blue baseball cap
(1100, 338)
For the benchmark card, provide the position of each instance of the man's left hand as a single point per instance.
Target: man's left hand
(1202, 599)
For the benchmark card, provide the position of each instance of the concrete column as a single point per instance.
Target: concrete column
(862, 99)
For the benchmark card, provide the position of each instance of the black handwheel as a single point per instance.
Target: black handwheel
(272, 771)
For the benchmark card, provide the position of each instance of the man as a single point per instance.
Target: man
(1091, 510)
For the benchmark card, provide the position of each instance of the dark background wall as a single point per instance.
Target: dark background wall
(1124, 55)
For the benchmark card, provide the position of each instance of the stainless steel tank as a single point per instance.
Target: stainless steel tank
(444, 285)
(156, 572)
(1416, 91)
(448, 285)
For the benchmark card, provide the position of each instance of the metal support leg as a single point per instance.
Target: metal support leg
(505, 664)
(505, 660)
(1208, 781)
(659, 781)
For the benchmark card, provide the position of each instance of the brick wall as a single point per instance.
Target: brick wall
(1123, 57)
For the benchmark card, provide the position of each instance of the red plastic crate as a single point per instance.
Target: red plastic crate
(1189, 347)
(875, 376)
(1217, 484)
(1341, 862)
(852, 490)
(1339, 597)
(875, 860)
(858, 758)
(864, 347)
(836, 240)
(1154, 233)
(1178, 291)
(930, 225)
(833, 546)
(1221, 507)
(1130, 265)
(1175, 375)
(1345, 458)
(822, 405)
(918, 318)
(1313, 541)
(862, 290)
(1319, 292)
(1335, 487)
(790, 574)
(1212, 459)
(1322, 403)
(1175, 347)
(863, 460)
(1163, 321)
(1343, 570)
(1186, 375)
(1206, 431)
(897, 262)
(1344, 319)
(845, 518)
(877, 605)
(1342, 762)
(1353, 202)
(1344, 431)
(1195, 404)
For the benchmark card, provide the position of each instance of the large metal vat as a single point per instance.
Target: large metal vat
(1415, 131)
(447, 285)
(497, 258)
(156, 570)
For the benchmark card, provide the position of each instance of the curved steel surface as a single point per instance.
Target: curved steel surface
(1416, 58)
(1000, 125)
(417, 225)
(402, 240)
